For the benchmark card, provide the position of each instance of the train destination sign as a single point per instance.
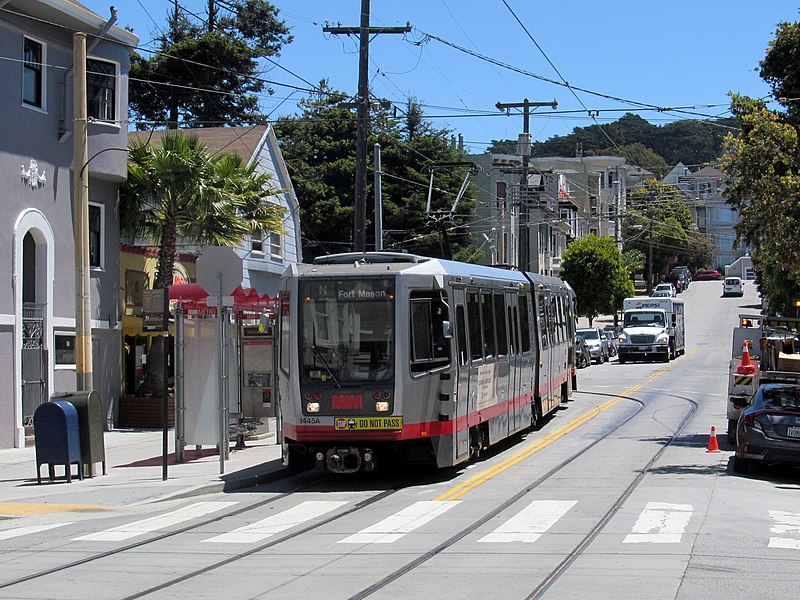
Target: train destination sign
(365, 423)
(351, 290)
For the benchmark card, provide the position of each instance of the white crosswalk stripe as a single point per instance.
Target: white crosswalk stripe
(660, 523)
(260, 530)
(137, 528)
(399, 524)
(29, 529)
(530, 523)
(785, 522)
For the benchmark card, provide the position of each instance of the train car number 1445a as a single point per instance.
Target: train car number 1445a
(363, 423)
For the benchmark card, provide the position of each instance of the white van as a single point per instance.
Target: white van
(733, 286)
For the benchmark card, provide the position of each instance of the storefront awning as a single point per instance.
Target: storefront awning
(192, 295)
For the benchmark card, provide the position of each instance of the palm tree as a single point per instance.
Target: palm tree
(175, 190)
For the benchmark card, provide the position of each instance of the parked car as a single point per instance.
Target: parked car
(665, 287)
(679, 277)
(582, 356)
(733, 286)
(597, 343)
(707, 275)
(768, 430)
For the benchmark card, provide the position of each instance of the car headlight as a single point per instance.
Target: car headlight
(623, 339)
(662, 338)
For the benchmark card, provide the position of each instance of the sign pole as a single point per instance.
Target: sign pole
(221, 372)
(165, 387)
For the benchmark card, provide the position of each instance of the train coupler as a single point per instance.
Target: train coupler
(346, 460)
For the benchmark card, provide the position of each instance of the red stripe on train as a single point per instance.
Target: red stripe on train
(319, 433)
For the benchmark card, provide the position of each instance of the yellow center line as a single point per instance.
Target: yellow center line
(21, 509)
(491, 472)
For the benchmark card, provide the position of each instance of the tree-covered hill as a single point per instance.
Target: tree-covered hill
(691, 142)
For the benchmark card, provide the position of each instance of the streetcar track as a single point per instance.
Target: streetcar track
(554, 575)
(537, 593)
(162, 536)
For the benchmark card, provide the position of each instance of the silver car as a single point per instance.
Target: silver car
(768, 430)
(597, 343)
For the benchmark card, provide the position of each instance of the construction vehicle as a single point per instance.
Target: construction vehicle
(764, 349)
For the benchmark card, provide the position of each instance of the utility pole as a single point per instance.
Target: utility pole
(364, 31)
(524, 149)
(80, 217)
(650, 255)
(378, 200)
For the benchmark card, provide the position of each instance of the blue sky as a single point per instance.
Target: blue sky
(661, 54)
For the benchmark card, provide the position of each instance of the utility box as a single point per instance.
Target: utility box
(56, 428)
(90, 420)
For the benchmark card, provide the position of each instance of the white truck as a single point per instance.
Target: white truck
(652, 328)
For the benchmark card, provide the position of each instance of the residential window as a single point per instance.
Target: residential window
(101, 85)
(64, 345)
(275, 245)
(257, 242)
(33, 73)
(96, 219)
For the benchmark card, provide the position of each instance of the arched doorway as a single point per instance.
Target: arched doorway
(33, 272)
(33, 358)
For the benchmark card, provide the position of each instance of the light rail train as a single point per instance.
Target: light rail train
(392, 358)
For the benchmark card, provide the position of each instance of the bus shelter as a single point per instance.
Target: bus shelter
(204, 415)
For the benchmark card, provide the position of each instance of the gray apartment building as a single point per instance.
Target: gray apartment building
(37, 306)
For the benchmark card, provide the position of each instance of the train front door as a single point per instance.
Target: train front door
(462, 391)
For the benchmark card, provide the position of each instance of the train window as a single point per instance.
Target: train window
(522, 301)
(551, 319)
(487, 317)
(515, 326)
(474, 325)
(500, 321)
(284, 332)
(541, 301)
(429, 348)
(512, 332)
(461, 334)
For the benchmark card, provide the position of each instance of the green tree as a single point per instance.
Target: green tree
(320, 151)
(658, 222)
(779, 67)
(765, 190)
(593, 267)
(176, 190)
(207, 75)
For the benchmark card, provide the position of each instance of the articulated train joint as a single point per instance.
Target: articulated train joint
(346, 460)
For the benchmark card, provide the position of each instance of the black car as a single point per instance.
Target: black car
(768, 430)
(582, 356)
(679, 277)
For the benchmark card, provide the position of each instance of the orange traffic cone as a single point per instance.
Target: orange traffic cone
(747, 367)
(713, 446)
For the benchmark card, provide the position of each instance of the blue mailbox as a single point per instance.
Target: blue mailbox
(55, 425)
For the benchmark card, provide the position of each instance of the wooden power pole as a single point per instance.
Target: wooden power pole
(524, 207)
(364, 31)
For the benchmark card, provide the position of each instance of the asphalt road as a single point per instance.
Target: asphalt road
(614, 497)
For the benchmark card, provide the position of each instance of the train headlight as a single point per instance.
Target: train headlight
(312, 407)
(381, 406)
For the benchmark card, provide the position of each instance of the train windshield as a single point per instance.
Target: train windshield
(347, 331)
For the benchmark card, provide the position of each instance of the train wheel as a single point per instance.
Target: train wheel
(536, 414)
(474, 443)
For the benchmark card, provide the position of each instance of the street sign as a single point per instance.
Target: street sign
(153, 309)
(223, 261)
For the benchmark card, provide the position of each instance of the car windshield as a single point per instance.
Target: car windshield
(787, 397)
(590, 334)
(644, 319)
(664, 286)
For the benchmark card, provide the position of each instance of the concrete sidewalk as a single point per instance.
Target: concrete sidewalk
(134, 466)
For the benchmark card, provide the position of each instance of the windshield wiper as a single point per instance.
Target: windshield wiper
(318, 354)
